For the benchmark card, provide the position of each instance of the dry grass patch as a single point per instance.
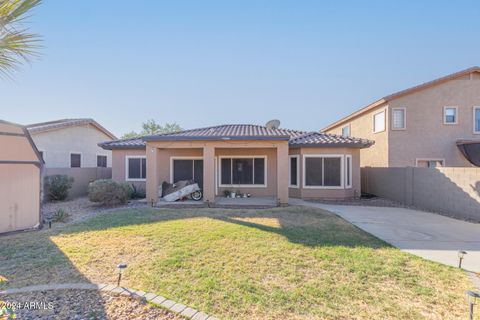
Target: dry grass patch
(283, 263)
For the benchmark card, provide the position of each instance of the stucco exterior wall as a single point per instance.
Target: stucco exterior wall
(317, 193)
(119, 165)
(57, 145)
(426, 136)
(362, 127)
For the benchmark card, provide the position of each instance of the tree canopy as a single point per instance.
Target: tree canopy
(151, 127)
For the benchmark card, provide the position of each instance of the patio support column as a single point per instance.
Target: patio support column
(209, 173)
(282, 173)
(152, 179)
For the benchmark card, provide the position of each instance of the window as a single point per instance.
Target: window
(430, 163)
(243, 171)
(450, 115)
(75, 160)
(476, 119)
(294, 169)
(398, 118)
(101, 161)
(323, 171)
(348, 171)
(346, 131)
(187, 169)
(379, 122)
(136, 168)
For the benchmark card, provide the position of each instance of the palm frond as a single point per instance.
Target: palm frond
(17, 45)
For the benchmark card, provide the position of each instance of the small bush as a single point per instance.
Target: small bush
(60, 215)
(58, 186)
(137, 192)
(108, 192)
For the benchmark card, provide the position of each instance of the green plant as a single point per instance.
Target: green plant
(109, 192)
(58, 186)
(137, 192)
(60, 215)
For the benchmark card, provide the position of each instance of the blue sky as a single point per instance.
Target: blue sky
(201, 63)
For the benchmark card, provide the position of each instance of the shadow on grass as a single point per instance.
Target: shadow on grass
(301, 225)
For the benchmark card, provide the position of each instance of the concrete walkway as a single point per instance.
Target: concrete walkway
(430, 236)
(171, 305)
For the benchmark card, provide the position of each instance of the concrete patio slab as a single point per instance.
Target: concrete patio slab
(247, 202)
(428, 235)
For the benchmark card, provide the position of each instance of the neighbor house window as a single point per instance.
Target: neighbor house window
(450, 115)
(398, 118)
(187, 169)
(101, 161)
(75, 160)
(323, 171)
(348, 171)
(476, 119)
(294, 169)
(243, 171)
(430, 163)
(379, 122)
(346, 131)
(136, 168)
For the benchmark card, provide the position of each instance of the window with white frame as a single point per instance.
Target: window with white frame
(476, 119)
(346, 131)
(450, 115)
(75, 160)
(379, 122)
(398, 118)
(323, 171)
(430, 163)
(348, 171)
(294, 169)
(243, 171)
(136, 168)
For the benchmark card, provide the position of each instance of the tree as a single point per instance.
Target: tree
(17, 45)
(151, 127)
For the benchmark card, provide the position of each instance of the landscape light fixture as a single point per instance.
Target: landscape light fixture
(472, 297)
(120, 271)
(461, 254)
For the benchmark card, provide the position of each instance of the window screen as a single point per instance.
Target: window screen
(102, 161)
(293, 171)
(323, 171)
(243, 171)
(346, 131)
(331, 172)
(314, 171)
(188, 169)
(137, 168)
(348, 171)
(450, 115)
(477, 119)
(398, 118)
(75, 160)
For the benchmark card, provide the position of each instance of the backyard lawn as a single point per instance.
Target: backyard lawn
(282, 263)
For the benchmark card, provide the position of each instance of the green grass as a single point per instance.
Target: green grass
(283, 263)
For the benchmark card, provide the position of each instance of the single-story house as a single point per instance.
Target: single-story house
(265, 161)
(20, 185)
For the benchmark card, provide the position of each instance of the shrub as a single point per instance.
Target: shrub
(58, 186)
(60, 215)
(108, 192)
(137, 192)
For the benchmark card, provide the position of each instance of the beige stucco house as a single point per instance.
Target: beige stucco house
(264, 161)
(72, 143)
(20, 172)
(432, 124)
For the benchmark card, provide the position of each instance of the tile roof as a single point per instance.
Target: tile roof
(244, 132)
(63, 123)
(319, 139)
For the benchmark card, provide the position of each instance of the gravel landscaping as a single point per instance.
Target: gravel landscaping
(85, 304)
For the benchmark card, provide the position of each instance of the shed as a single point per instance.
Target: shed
(20, 179)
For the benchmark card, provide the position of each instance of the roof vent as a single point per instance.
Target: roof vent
(273, 124)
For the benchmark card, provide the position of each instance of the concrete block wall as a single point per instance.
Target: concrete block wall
(451, 191)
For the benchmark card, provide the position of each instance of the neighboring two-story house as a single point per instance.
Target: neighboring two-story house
(434, 124)
(72, 143)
